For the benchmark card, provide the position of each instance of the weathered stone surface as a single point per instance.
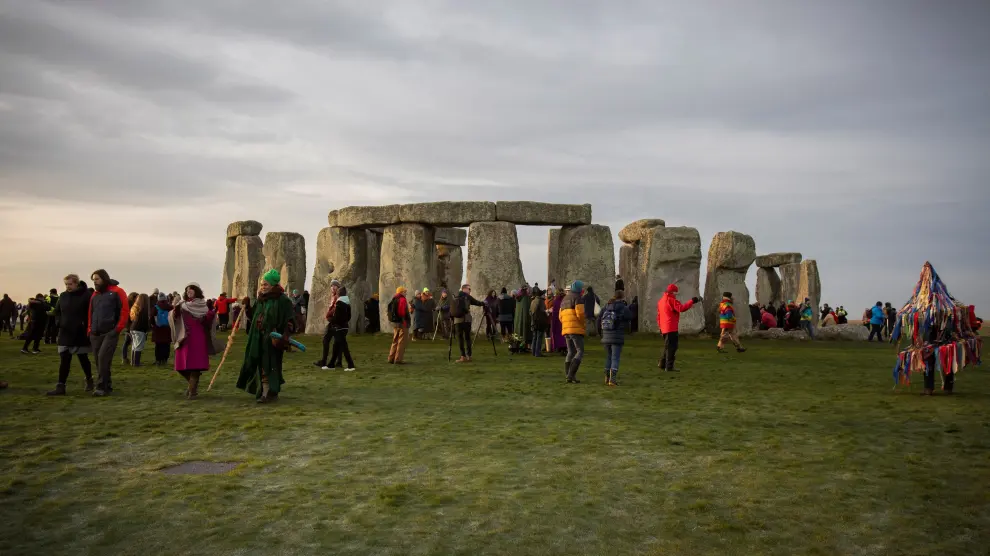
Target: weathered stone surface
(249, 264)
(229, 260)
(286, 253)
(849, 332)
(450, 267)
(364, 217)
(667, 256)
(767, 286)
(729, 258)
(408, 259)
(777, 259)
(341, 254)
(810, 286)
(542, 214)
(447, 213)
(586, 253)
(790, 281)
(640, 229)
(374, 258)
(553, 247)
(779, 334)
(243, 228)
(451, 236)
(493, 259)
(629, 269)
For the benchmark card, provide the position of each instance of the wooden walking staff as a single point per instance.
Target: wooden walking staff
(230, 342)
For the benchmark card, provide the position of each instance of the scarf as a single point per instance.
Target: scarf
(197, 309)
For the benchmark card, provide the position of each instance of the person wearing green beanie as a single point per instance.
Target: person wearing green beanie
(261, 373)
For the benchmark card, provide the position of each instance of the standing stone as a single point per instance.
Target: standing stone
(767, 286)
(790, 282)
(243, 228)
(640, 230)
(249, 265)
(669, 256)
(553, 248)
(586, 253)
(407, 259)
(341, 254)
(374, 240)
(450, 267)
(810, 286)
(729, 258)
(229, 262)
(286, 253)
(493, 259)
(629, 269)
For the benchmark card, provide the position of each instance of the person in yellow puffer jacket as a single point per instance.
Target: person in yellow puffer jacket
(573, 328)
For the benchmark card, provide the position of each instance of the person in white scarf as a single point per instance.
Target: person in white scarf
(193, 336)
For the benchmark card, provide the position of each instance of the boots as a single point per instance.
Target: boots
(612, 378)
(670, 366)
(608, 377)
(58, 391)
(136, 359)
(89, 384)
(572, 372)
(194, 385)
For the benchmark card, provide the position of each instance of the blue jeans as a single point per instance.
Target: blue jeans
(612, 353)
(538, 343)
(806, 325)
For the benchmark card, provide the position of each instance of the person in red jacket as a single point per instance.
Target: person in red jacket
(669, 311)
(108, 316)
(222, 306)
(975, 322)
(398, 316)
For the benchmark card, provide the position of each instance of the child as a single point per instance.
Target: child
(727, 322)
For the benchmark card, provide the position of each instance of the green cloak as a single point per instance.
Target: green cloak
(272, 313)
(522, 321)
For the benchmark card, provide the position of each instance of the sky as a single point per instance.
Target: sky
(856, 133)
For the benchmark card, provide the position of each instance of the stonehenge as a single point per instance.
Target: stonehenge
(654, 256)
(729, 258)
(373, 249)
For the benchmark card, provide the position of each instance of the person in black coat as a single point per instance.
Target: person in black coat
(72, 314)
(340, 322)
(371, 307)
(38, 310)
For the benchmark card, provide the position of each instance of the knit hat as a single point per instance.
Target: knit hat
(672, 288)
(426, 290)
(272, 277)
(577, 286)
(400, 290)
(162, 296)
(192, 284)
(335, 282)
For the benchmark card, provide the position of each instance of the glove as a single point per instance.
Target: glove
(696, 299)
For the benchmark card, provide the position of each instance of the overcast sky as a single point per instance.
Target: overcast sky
(854, 132)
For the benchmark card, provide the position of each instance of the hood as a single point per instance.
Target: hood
(344, 299)
(672, 288)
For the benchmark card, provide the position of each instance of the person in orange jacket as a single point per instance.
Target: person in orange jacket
(573, 327)
(669, 311)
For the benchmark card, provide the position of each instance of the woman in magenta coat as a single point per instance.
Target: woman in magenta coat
(193, 329)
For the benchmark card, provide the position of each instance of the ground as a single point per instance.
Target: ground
(790, 448)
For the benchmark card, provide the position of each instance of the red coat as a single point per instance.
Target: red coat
(669, 310)
(222, 304)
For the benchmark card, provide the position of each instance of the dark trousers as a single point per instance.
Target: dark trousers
(327, 338)
(36, 340)
(464, 337)
(948, 380)
(506, 328)
(161, 352)
(340, 348)
(104, 347)
(670, 341)
(876, 329)
(65, 359)
(51, 331)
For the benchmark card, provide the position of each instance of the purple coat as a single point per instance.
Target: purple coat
(556, 328)
(193, 354)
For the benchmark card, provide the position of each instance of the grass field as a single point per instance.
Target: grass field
(787, 449)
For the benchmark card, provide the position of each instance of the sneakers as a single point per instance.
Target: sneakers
(326, 368)
(25, 352)
(350, 370)
(35, 352)
(573, 381)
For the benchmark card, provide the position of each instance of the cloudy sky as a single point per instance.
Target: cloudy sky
(854, 132)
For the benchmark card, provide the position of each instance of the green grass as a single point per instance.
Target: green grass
(787, 449)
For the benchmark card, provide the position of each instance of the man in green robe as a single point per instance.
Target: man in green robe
(261, 373)
(522, 321)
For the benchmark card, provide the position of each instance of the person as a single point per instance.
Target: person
(727, 324)
(770, 308)
(328, 332)
(541, 323)
(975, 322)
(826, 311)
(782, 315)
(374, 322)
(807, 315)
(891, 315)
(552, 289)
(261, 372)
(399, 318)
(222, 306)
(506, 314)
(829, 320)
(248, 309)
(443, 314)
(841, 316)
(38, 326)
(634, 319)
(8, 312)
(669, 311)
(522, 323)
(193, 326)
(298, 312)
(423, 306)
(574, 327)
(140, 326)
(161, 330)
(754, 315)
(557, 342)
(612, 322)
(414, 328)
(590, 300)
(340, 321)
(867, 316)
(125, 351)
(51, 327)
(767, 319)
(877, 320)
(491, 325)
(792, 318)
(620, 285)
(108, 315)
(22, 312)
(72, 339)
(235, 310)
(460, 311)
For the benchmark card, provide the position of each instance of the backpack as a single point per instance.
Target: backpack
(393, 310)
(610, 321)
(459, 307)
(161, 317)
